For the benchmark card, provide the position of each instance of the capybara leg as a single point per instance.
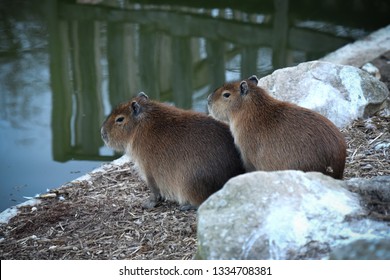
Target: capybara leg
(155, 196)
(152, 201)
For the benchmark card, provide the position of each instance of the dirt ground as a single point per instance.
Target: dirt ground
(103, 218)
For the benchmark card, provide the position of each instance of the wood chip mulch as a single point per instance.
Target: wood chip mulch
(368, 147)
(100, 219)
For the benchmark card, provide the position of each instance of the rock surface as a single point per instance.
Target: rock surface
(283, 215)
(340, 93)
(360, 52)
(378, 187)
(363, 250)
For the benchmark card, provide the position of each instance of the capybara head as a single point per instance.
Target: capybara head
(120, 124)
(229, 98)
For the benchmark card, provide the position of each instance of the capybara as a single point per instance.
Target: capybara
(275, 135)
(182, 155)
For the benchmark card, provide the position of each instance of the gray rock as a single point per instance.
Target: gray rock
(340, 93)
(362, 51)
(372, 70)
(377, 187)
(282, 215)
(363, 250)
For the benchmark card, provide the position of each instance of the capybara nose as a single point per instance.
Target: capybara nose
(209, 98)
(103, 133)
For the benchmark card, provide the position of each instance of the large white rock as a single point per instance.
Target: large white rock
(362, 51)
(282, 215)
(340, 93)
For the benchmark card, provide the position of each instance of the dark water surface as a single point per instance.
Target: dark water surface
(63, 66)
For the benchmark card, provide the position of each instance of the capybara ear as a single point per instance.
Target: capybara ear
(136, 108)
(142, 95)
(253, 79)
(243, 88)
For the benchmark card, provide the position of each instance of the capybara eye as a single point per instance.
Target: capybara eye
(119, 119)
(226, 94)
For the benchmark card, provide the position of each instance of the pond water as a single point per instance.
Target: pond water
(64, 65)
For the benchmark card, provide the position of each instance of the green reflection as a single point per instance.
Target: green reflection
(104, 54)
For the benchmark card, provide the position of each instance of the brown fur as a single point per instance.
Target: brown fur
(183, 156)
(276, 135)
